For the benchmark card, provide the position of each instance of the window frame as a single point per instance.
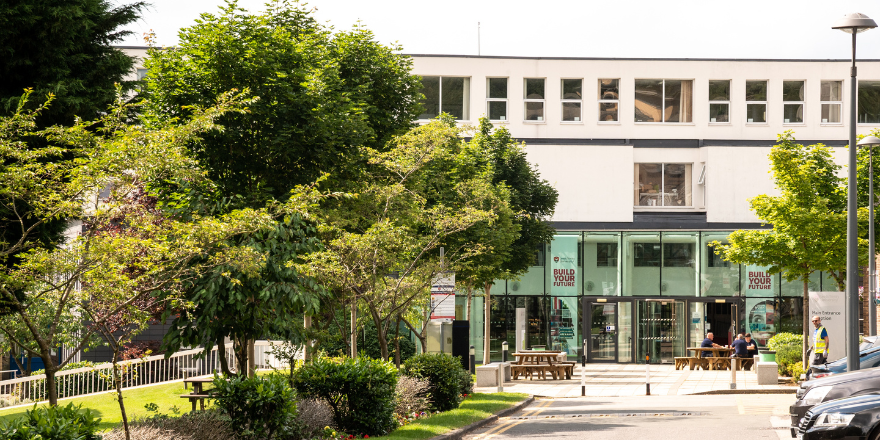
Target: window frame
(563, 101)
(601, 101)
(717, 102)
(543, 102)
(764, 102)
(467, 101)
(505, 100)
(839, 103)
(663, 184)
(802, 102)
(663, 100)
(859, 82)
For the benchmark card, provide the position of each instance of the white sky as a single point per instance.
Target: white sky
(585, 28)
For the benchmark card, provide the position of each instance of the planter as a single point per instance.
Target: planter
(767, 355)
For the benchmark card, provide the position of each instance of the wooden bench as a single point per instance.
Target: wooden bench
(681, 362)
(568, 368)
(196, 397)
(532, 370)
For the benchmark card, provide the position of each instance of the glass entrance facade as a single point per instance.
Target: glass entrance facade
(667, 289)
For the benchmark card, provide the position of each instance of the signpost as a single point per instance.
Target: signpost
(831, 308)
(443, 297)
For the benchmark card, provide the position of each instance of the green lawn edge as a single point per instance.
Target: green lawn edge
(475, 408)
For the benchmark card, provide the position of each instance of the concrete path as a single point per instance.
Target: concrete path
(629, 380)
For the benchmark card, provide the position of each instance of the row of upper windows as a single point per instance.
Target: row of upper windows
(656, 100)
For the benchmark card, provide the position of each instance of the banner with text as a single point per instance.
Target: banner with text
(758, 282)
(563, 265)
(443, 297)
(831, 308)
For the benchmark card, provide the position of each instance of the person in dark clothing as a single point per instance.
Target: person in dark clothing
(740, 347)
(752, 344)
(708, 343)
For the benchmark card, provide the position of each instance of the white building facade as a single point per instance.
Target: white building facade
(653, 160)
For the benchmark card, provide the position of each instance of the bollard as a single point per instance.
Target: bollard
(584, 369)
(504, 351)
(647, 375)
(733, 365)
(523, 348)
(500, 378)
(473, 359)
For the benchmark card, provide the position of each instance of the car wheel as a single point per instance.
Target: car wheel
(875, 435)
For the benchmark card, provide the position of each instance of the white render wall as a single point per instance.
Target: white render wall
(595, 182)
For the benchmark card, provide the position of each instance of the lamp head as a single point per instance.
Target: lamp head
(869, 140)
(854, 23)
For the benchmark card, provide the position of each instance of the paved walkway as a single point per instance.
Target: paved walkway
(629, 380)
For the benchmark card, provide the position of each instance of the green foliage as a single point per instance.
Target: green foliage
(52, 423)
(787, 356)
(260, 407)
(782, 339)
(368, 344)
(444, 373)
(361, 392)
(796, 370)
(466, 382)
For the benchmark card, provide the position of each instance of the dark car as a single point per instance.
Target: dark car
(868, 358)
(838, 386)
(851, 418)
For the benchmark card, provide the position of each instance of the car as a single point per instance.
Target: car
(868, 358)
(838, 386)
(853, 418)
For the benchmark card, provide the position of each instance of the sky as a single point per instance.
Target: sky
(762, 29)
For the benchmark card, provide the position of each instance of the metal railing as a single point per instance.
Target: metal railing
(137, 372)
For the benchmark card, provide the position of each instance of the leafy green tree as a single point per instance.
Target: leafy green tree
(47, 290)
(808, 218)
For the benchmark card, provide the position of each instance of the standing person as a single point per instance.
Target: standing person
(740, 347)
(752, 344)
(708, 343)
(820, 342)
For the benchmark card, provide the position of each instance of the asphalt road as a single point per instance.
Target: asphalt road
(744, 416)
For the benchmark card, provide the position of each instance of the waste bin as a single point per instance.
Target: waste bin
(767, 355)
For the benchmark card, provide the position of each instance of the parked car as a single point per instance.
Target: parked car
(868, 358)
(838, 386)
(851, 418)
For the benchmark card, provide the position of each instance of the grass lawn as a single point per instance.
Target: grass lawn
(476, 407)
(107, 407)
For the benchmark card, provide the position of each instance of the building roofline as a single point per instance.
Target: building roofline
(775, 60)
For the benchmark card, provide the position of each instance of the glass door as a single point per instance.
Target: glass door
(603, 332)
(661, 330)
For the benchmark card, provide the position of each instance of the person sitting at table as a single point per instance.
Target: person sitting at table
(707, 343)
(752, 344)
(740, 347)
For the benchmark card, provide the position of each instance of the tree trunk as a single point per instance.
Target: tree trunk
(117, 381)
(467, 305)
(51, 369)
(806, 322)
(397, 343)
(354, 336)
(221, 355)
(487, 306)
(307, 323)
(251, 368)
(382, 332)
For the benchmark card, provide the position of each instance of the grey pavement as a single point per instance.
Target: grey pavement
(629, 380)
(698, 417)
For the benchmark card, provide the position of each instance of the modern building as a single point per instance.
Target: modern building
(654, 159)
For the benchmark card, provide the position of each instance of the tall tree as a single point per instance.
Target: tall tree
(808, 218)
(324, 96)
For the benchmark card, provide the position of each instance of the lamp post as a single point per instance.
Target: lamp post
(870, 141)
(852, 24)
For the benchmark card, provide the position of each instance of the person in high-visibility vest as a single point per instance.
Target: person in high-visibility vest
(820, 342)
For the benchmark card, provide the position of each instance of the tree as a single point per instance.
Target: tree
(325, 96)
(510, 250)
(808, 219)
(44, 293)
(423, 189)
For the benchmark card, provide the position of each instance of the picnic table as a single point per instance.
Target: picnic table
(197, 394)
(720, 359)
(541, 362)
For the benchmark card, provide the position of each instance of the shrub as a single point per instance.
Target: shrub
(786, 357)
(359, 391)
(412, 396)
(314, 415)
(466, 382)
(368, 344)
(211, 424)
(781, 339)
(443, 372)
(259, 407)
(54, 422)
(796, 371)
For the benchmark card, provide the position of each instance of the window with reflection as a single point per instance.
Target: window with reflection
(609, 99)
(756, 102)
(601, 263)
(679, 274)
(496, 99)
(642, 257)
(663, 184)
(663, 100)
(445, 94)
(719, 101)
(832, 102)
(869, 102)
(572, 98)
(793, 102)
(718, 277)
(533, 94)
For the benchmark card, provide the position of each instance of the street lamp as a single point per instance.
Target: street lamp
(870, 141)
(852, 24)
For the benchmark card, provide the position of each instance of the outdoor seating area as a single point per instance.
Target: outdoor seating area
(720, 359)
(537, 364)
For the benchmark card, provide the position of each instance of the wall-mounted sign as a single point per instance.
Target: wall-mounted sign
(609, 328)
(443, 297)
(563, 265)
